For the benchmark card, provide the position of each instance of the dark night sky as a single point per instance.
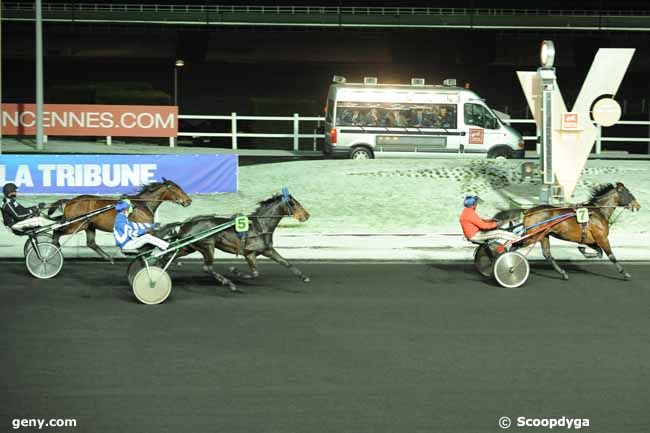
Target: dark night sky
(280, 71)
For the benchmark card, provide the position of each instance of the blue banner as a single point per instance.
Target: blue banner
(117, 174)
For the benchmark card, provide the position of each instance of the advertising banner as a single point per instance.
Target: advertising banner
(92, 120)
(117, 174)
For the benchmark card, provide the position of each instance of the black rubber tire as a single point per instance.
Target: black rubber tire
(133, 269)
(484, 260)
(500, 152)
(361, 152)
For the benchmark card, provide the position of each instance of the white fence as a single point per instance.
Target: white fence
(234, 133)
(600, 138)
(295, 136)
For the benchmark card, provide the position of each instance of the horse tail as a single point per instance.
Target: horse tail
(59, 204)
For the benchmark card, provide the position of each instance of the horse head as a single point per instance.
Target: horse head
(625, 198)
(293, 206)
(174, 193)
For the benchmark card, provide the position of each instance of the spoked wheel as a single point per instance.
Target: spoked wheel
(41, 238)
(48, 265)
(511, 269)
(152, 286)
(484, 260)
(133, 269)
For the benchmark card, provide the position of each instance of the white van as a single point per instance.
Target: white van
(371, 120)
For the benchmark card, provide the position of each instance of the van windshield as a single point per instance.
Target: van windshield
(478, 115)
(443, 116)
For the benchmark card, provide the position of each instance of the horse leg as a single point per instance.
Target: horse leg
(56, 236)
(251, 259)
(208, 260)
(90, 242)
(588, 255)
(272, 254)
(546, 250)
(603, 243)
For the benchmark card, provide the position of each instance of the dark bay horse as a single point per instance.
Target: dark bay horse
(257, 241)
(601, 205)
(145, 204)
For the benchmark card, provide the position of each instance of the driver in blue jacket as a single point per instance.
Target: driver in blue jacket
(131, 235)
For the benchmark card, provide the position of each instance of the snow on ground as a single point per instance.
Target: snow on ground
(394, 197)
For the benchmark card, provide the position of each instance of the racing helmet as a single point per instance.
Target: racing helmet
(471, 200)
(124, 205)
(8, 188)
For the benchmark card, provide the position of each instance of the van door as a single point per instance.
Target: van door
(482, 127)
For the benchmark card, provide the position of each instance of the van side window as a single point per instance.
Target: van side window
(478, 115)
(396, 115)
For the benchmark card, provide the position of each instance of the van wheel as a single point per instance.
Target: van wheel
(500, 153)
(361, 153)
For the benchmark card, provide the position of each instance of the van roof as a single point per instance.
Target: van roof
(431, 89)
(399, 86)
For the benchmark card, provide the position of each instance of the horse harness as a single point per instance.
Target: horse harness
(243, 236)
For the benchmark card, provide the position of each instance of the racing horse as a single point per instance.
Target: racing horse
(604, 200)
(258, 240)
(145, 203)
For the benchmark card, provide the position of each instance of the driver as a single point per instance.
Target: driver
(17, 217)
(131, 235)
(480, 230)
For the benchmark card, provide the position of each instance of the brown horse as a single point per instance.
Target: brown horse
(145, 204)
(604, 200)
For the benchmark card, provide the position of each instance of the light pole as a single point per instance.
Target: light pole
(39, 76)
(179, 64)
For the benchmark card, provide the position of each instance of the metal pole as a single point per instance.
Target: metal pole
(39, 76)
(296, 131)
(176, 86)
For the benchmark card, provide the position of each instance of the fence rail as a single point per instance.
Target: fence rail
(234, 134)
(334, 10)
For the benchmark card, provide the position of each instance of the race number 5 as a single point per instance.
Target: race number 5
(582, 215)
(241, 223)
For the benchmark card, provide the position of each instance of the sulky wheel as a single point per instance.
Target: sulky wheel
(511, 269)
(48, 265)
(152, 290)
(42, 237)
(133, 269)
(484, 260)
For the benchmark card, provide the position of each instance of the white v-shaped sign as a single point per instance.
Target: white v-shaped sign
(571, 147)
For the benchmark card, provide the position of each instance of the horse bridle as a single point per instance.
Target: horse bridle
(286, 199)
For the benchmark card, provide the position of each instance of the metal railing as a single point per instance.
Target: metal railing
(295, 136)
(600, 138)
(334, 10)
(234, 133)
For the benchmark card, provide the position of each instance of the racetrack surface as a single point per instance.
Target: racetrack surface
(364, 347)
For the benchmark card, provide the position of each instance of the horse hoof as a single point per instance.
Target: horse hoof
(234, 288)
(306, 279)
(232, 269)
(565, 276)
(627, 276)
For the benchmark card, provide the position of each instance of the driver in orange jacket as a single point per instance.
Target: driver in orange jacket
(477, 229)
